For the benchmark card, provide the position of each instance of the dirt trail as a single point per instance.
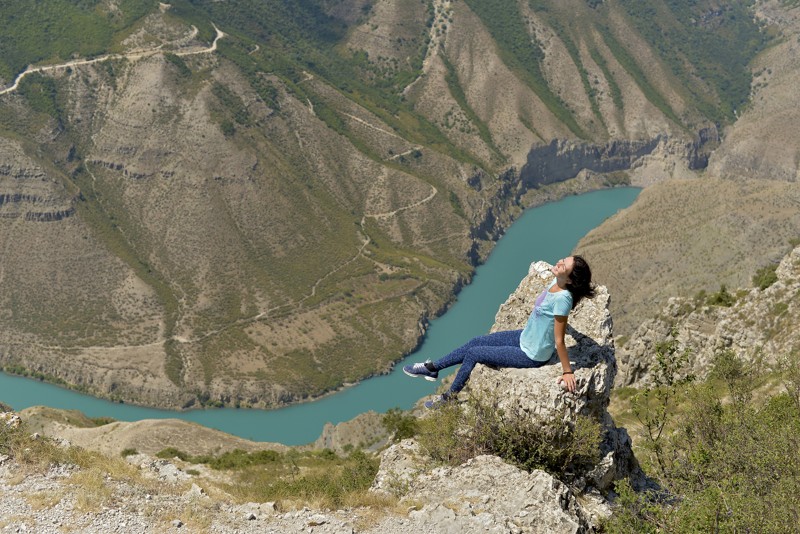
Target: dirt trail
(137, 54)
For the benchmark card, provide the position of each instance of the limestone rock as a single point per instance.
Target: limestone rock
(536, 393)
(400, 465)
(10, 420)
(488, 495)
(758, 324)
(591, 350)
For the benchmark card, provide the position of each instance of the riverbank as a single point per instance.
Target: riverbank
(473, 312)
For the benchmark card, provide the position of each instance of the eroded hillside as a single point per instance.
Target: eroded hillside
(254, 204)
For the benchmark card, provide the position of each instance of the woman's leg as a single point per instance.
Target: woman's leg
(506, 338)
(502, 356)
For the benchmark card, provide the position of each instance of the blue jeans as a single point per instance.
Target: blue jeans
(500, 349)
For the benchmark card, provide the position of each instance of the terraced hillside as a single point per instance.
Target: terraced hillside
(254, 202)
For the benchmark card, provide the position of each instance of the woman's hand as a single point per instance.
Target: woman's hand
(568, 380)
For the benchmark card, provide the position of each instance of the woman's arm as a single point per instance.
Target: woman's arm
(560, 329)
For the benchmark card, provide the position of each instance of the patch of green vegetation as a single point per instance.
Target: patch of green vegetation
(41, 93)
(521, 53)
(458, 209)
(183, 69)
(616, 179)
(232, 103)
(21, 370)
(704, 40)
(724, 458)
(458, 95)
(723, 297)
(320, 476)
(616, 93)
(56, 30)
(128, 452)
(400, 424)
(779, 308)
(453, 435)
(101, 421)
(765, 276)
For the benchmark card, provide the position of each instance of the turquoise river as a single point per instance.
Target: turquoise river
(547, 232)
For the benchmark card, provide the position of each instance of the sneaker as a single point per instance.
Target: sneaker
(437, 401)
(419, 369)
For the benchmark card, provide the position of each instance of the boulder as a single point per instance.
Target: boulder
(536, 393)
(484, 494)
(591, 350)
(487, 495)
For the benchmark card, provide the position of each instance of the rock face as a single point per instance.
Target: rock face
(760, 323)
(591, 349)
(516, 500)
(590, 344)
(562, 159)
(487, 495)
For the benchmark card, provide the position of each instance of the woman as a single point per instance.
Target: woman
(527, 348)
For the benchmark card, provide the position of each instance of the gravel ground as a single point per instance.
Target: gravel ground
(54, 503)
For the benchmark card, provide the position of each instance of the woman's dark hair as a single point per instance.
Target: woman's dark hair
(580, 281)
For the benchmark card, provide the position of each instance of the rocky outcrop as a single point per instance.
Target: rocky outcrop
(49, 216)
(758, 324)
(483, 495)
(563, 159)
(511, 499)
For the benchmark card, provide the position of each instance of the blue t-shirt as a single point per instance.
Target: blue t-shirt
(538, 337)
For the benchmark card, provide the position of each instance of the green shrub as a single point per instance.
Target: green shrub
(238, 459)
(721, 298)
(730, 464)
(128, 452)
(399, 424)
(41, 93)
(765, 276)
(100, 421)
(183, 70)
(454, 434)
(171, 452)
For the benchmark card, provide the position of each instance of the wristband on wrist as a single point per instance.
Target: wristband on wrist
(567, 373)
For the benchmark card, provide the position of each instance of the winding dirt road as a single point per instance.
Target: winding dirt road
(137, 54)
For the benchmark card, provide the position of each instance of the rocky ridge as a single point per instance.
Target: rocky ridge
(760, 325)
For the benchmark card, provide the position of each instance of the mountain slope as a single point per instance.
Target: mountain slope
(275, 196)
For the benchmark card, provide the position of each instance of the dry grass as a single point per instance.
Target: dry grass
(45, 499)
(682, 236)
(91, 489)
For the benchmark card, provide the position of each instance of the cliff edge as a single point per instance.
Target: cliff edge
(486, 493)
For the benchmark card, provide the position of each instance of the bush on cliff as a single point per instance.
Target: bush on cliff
(729, 461)
(454, 433)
